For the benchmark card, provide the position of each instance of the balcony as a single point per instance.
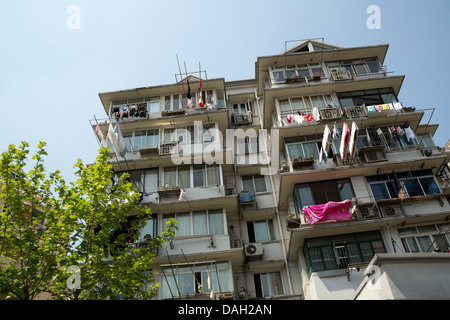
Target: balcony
(372, 154)
(359, 68)
(384, 208)
(355, 112)
(242, 119)
(299, 163)
(330, 113)
(341, 75)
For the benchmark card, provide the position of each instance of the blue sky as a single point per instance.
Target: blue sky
(50, 75)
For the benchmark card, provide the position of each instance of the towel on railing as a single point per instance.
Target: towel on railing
(328, 211)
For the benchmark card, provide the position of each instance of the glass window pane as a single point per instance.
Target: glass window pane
(329, 258)
(345, 189)
(167, 103)
(413, 187)
(294, 150)
(200, 224)
(186, 284)
(152, 137)
(153, 106)
(284, 106)
(260, 183)
(212, 173)
(304, 196)
(199, 175)
(184, 177)
(311, 150)
(151, 181)
(424, 243)
(247, 184)
(316, 259)
(410, 245)
(176, 102)
(170, 176)
(216, 225)
(275, 285)
(429, 185)
(261, 231)
(149, 228)
(265, 285)
(379, 191)
(298, 104)
(184, 224)
(331, 191)
(278, 76)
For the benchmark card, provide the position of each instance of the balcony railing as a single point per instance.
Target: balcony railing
(341, 75)
(355, 112)
(330, 113)
(357, 69)
(243, 119)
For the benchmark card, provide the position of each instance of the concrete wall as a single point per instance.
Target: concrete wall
(407, 276)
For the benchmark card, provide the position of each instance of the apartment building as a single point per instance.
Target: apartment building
(291, 185)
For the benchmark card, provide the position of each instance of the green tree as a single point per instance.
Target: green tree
(33, 237)
(86, 245)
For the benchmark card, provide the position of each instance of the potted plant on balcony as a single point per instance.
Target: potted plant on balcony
(299, 162)
(284, 167)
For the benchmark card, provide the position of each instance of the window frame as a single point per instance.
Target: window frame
(254, 183)
(191, 219)
(341, 260)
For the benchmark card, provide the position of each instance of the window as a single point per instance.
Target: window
(358, 68)
(254, 183)
(279, 74)
(304, 150)
(198, 222)
(148, 138)
(150, 228)
(259, 231)
(321, 192)
(243, 108)
(338, 252)
(268, 284)
(426, 238)
(154, 105)
(184, 280)
(192, 176)
(149, 181)
(414, 183)
(304, 104)
(368, 97)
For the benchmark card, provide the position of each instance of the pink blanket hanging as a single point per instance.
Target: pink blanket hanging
(328, 211)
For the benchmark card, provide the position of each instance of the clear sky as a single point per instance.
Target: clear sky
(50, 75)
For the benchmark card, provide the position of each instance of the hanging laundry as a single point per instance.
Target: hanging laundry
(385, 106)
(116, 138)
(200, 100)
(188, 95)
(344, 141)
(336, 132)
(326, 142)
(397, 106)
(353, 139)
(379, 132)
(378, 108)
(290, 118)
(329, 211)
(299, 119)
(371, 108)
(400, 131)
(368, 137)
(309, 117)
(409, 133)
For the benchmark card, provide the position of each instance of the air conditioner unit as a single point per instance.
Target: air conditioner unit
(253, 249)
